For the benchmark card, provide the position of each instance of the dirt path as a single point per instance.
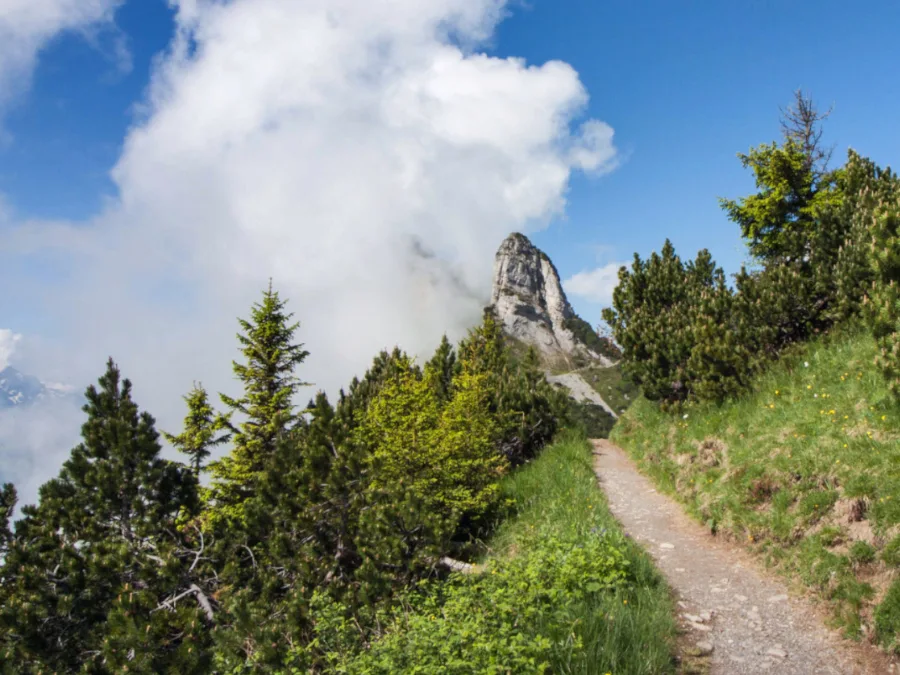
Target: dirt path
(729, 604)
(580, 390)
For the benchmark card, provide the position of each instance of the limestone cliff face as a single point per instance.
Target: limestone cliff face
(529, 301)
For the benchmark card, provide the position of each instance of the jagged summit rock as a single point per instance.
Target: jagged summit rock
(529, 301)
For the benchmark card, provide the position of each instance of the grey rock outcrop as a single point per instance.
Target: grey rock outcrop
(529, 301)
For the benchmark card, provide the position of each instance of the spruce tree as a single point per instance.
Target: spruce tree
(201, 426)
(266, 406)
(781, 220)
(88, 574)
(444, 365)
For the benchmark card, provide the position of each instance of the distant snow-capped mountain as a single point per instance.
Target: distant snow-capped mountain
(20, 390)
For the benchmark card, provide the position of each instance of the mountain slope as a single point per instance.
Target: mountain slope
(20, 390)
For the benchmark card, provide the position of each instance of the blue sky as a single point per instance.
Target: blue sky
(685, 85)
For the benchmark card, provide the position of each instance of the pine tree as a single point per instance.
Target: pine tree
(444, 364)
(525, 406)
(201, 426)
(650, 319)
(883, 301)
(781, 220)
(8, 500)
(104, 530)
(864, 186)
(266, 405)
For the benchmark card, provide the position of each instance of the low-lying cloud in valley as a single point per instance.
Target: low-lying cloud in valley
(362, 153)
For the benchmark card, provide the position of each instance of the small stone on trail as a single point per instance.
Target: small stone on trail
(741, 598)
(704, 648)
(706, 616)
(679, 569)
(778, 598)
(667, 546)
(692, 618)
(777, 652)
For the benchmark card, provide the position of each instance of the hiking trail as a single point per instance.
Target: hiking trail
(739, 619)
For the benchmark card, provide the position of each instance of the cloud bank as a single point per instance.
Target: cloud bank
(8, 342)
(596, 285)
(362, 153)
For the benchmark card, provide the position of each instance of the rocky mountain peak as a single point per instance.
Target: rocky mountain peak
(529, 301)
(20, 390)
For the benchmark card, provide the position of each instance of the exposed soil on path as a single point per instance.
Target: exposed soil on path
(735, 612)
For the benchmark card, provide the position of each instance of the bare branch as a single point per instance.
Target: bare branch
(200, 551)
(459, 566)
(801, 124)
(203, 601)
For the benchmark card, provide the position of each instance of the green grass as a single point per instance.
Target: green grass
(801, 470)
(562, 590)
(617, 390)
(557, 496)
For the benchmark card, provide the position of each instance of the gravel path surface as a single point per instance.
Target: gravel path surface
(740, 619)
(580, 390)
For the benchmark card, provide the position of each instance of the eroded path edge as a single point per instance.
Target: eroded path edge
(744, 617)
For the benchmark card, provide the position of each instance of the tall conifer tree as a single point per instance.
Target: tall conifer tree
(266, 406)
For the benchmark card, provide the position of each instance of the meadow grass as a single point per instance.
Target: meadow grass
(804, 470)
(631, 630)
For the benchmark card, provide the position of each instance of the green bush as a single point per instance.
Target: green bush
(884, 306)
(591, 418)
(887, 618)
(681, 335)
(862, 552)
(518, 615)
(891, 553)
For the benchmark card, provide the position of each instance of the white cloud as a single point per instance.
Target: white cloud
(8, 341)
(349, 149)
(595, 285)
(26, 26)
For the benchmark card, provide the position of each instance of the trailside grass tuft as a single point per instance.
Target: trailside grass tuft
(560, 590)
(805, 470)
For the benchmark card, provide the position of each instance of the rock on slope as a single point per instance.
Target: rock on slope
(529, 301)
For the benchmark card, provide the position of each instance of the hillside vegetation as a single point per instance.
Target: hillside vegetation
(804, 469)
(561, 591)
(771, 406)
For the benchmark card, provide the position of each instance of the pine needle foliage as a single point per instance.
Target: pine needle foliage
(85, 579)
(266, 407)
(202, 427)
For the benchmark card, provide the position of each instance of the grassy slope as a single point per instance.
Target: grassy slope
(804, 470)
(610, 383)
(545, 587)
(630, 631)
